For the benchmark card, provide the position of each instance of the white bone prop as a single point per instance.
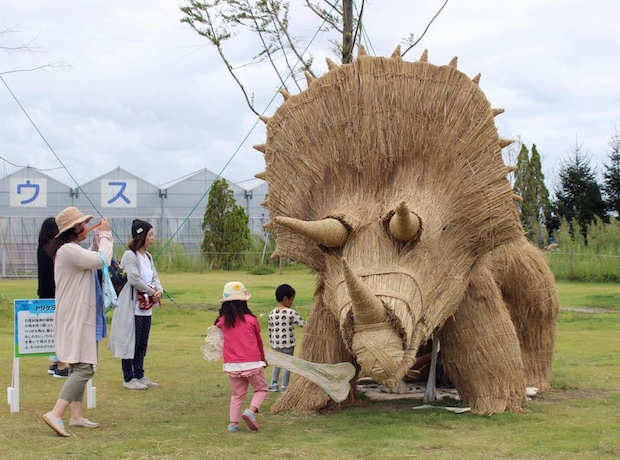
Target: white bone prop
(332, 378)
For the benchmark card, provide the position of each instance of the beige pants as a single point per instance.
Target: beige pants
(73, 389)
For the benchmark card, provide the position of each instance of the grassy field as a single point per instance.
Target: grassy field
(186, 418)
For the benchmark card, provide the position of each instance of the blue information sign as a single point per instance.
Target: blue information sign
(34, 327)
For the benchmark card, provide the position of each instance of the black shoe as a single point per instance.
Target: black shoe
(52, 369)
(61, 373)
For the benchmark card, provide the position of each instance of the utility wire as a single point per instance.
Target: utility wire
(425, 30)
(218, 175)
(246, 136)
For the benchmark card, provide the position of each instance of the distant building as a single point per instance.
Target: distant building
(254, 194)
(175, 209)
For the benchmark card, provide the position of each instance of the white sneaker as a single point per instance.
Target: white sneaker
(146, 381)
(134, 384)
(84, 423)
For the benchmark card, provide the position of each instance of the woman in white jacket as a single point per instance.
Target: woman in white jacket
(74, 317)
(131, 324)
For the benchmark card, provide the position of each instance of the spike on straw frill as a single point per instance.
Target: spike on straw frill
(331, 65)
(505, 142)
(510, 169)
(309, 77)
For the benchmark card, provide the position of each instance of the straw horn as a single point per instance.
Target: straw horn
(332, 378)
(367, 308)
(328, 232)
(404, 225)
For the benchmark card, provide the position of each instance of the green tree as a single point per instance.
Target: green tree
(535, 207)
(578, 195)
(611, 178)
(225, 227)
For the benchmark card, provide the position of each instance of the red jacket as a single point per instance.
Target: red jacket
(242, 343)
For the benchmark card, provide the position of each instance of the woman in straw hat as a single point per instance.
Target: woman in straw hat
(244, 356)
(75, 319)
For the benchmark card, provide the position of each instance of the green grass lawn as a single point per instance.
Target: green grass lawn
(187, 417)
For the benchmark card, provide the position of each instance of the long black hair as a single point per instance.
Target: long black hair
(48, 232)
(233, 310)
(65, 237)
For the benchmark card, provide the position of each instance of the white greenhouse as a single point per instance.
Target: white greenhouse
(175, 209)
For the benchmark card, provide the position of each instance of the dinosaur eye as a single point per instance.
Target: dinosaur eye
(404, 225)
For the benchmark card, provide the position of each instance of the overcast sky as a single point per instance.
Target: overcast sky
(143, 91)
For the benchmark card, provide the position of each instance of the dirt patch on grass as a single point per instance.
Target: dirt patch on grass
(588, 309)
(565, 395)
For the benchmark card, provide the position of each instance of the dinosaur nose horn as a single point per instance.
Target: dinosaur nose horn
(367, 308)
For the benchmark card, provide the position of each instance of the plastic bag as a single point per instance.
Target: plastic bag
(110, 299)
(214, 344)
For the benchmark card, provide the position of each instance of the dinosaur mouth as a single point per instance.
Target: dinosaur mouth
(378, 311)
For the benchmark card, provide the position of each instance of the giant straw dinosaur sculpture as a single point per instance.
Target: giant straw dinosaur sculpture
(386, 177)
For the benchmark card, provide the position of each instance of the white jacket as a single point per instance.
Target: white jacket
(123, 336)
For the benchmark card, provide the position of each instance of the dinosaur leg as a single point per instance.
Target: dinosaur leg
(322, 343)
(481, 351)
(528, 288)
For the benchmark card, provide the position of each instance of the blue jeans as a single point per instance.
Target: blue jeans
(275, 374)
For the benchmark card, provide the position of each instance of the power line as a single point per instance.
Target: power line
(425, 30)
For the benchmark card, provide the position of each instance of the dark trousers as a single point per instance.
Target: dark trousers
(134, 368)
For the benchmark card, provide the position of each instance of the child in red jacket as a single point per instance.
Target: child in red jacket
(244, 357)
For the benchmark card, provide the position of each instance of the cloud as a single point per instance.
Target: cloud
(143, 91)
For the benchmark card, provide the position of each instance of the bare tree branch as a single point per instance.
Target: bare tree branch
(266, 48)
(216, 37)
(283, 27)
(24, 48)
(268, 21)
(335, 21)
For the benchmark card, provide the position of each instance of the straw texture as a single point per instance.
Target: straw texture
(386, 177)
(528, 288)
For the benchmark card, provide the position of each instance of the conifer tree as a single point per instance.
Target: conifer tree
(225, 227)
(535, 207)
(578, 195)
(611, 178)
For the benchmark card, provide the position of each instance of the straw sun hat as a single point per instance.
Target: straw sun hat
(235, 290)
(70, 217)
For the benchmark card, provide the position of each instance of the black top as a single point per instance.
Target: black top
(47, 287)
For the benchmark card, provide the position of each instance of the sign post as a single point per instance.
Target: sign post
(34, 336)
